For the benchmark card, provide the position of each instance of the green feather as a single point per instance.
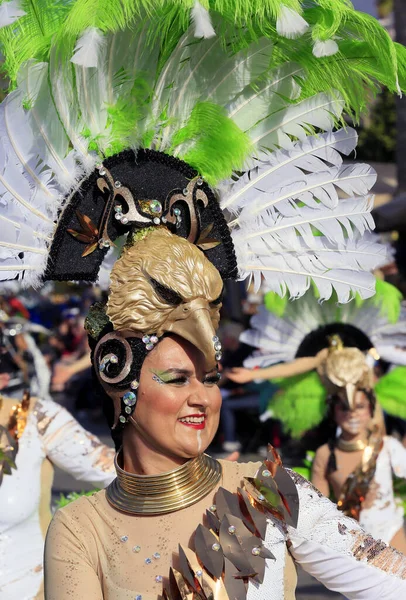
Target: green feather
(301, 403)
(212, 134)
(275, 304)
(71, 497)
(391, 392)
(389, 299)
(31, 35)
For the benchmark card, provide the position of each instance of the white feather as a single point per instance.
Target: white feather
(268, 97)
(89, 48)
(68, 111)
(261, 188)
(202, 22)
(290, 24)
(10, 12)
(325, 48)
(297, 120)
(206, 73)
(51, 141)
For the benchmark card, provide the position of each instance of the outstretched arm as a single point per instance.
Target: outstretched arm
(295, 367)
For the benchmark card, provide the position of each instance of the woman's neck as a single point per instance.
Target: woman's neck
(142, 458)
(354, 437)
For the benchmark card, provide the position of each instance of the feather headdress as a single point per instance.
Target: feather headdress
(283, 331)
(255, 110)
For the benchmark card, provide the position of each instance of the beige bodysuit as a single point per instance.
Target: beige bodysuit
(114, 556)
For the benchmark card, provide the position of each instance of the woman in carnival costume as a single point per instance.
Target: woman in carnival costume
(124, 123)
(35, 435)
(360, 463)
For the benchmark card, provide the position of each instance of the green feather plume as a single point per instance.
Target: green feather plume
(391, 392)
(212, 133)
(301, 403)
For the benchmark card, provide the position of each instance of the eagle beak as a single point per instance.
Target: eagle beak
(350, 390)
(193, 322)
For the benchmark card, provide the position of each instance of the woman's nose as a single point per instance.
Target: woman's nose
(199, 398)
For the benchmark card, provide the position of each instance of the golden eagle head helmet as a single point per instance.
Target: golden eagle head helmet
(164, 284)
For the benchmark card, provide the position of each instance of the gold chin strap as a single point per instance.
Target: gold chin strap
(166, 492)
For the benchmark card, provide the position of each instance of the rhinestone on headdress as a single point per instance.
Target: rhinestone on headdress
(109, 358)
(122, 419)
(129, 399)
(134, 385)
(216, 547)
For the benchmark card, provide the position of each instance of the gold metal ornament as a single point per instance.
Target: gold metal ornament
(345, 368)
(166, 492)
(165, 284)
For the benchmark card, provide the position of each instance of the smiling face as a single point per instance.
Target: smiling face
(354, 422)
(178, 406)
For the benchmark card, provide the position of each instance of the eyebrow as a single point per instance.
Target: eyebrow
(186, 372)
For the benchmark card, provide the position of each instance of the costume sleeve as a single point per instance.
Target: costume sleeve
(69, 570)
(70, 447)
(397, 456)
(336, 551)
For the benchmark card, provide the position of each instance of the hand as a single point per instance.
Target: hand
(371, 495)
(240, 375)
(233, 457)
(62, 373)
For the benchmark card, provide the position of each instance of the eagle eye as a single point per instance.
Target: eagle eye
(166, 294)
(218, 300)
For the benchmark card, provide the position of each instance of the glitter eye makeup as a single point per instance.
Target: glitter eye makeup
(179, 376)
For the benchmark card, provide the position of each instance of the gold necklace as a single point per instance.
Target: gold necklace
(351, 446)
(166, 492)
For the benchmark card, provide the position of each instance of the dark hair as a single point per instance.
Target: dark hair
(316, 340)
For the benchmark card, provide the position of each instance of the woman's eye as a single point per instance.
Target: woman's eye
(212, 380)
(178, 380)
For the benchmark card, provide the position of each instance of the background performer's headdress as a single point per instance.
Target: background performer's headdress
(363, 329)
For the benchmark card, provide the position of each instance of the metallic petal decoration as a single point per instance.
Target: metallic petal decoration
(186, 568)
(178, 586)
(212, 560)
(212, 521)
(223, 565)
(288, 493)
(257, 517)
(232, 545)
(236, 588)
